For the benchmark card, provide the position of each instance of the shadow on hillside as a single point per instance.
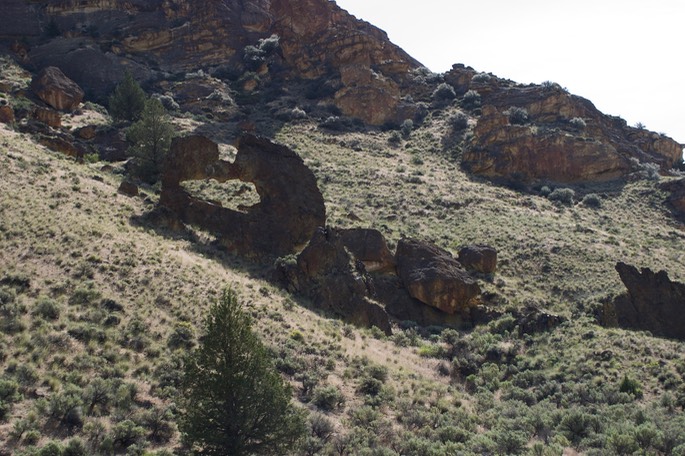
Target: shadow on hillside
(206, 245)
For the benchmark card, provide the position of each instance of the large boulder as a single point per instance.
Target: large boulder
(652, 302)
(291, 206)
(57, 90)
(369, 247)
(6, 114)
(48, 116)
(479, 258)
(326, 272)
(435, 278)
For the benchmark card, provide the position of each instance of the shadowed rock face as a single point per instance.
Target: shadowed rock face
(318, 40)
(550, 147)
(369, 247)
(328, 274)
(676, 197)
(653, 302)
(291, 205)
(435, 278)
(57, 90)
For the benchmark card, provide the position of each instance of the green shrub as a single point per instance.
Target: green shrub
(481, 77)
(127, 433)
(630, 386)
(578, 123)
(182, 336)
(443, 93)
(471, 99)
(407, 127)
(459, 122)
(47, 308)
(592, 200)
(75, 447)
(328, 398)
(517, 115)
(51, 449)
(562, 195)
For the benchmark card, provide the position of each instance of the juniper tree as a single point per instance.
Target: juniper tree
(128, 100)
(233, 400)
(150, 138)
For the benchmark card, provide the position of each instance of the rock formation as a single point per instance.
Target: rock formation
(435, 278)
(553, 146)
(57, 90)
(653, 302)
(319, 42)
(48, 116)
(369, 247)
(291, 205)
(328, 274)
(6, 115)
(479, 258)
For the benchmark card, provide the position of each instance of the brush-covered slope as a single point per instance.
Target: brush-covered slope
(96, 299)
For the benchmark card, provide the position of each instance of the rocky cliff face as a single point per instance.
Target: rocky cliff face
(565, 139)
(93, 41)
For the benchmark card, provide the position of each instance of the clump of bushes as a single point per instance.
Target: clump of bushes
(517, 115)
(471, 100)
(592, 200)
(481, 77)
(407, 127)
(459, 122)
(328, 398)
(578, 123)
(444, 93)
(562, 195)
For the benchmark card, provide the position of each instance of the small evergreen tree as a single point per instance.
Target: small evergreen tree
(128, 100)
(150, 138)
(233, 400)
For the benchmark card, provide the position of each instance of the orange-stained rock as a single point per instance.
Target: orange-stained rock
(550, 147)
(6, 115)
(479, 258)
(369, 247)
(48, 116)
(435, 278)
(88, 132)
(57, 90)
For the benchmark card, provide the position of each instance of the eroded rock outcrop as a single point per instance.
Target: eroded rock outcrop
(479, 258)
(330, 276)
(435, 278)
(57, 90)
(291, 205)
(566, 139)
(369, 247)
(653, 302)
(319, 41)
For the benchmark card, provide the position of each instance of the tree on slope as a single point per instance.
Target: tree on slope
(150, 138)
(233, 400)
(128, 100)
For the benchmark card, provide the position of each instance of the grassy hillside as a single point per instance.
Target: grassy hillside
(98, 308)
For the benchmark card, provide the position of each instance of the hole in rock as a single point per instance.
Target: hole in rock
(234, 194)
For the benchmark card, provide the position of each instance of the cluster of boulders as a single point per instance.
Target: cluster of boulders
(54, 96)
(420, 282)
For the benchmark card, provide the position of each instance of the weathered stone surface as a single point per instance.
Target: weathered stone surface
(48, 116)
(57, 90)
(389, 291)
(6, 115)
(319, 40)
(328, 274)
(550, 147)
(369, 247)
(653, 302)
(435, 278)
(61, 144)
(88, 132)
(291, 205)
(128, 188)
(479, 258)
